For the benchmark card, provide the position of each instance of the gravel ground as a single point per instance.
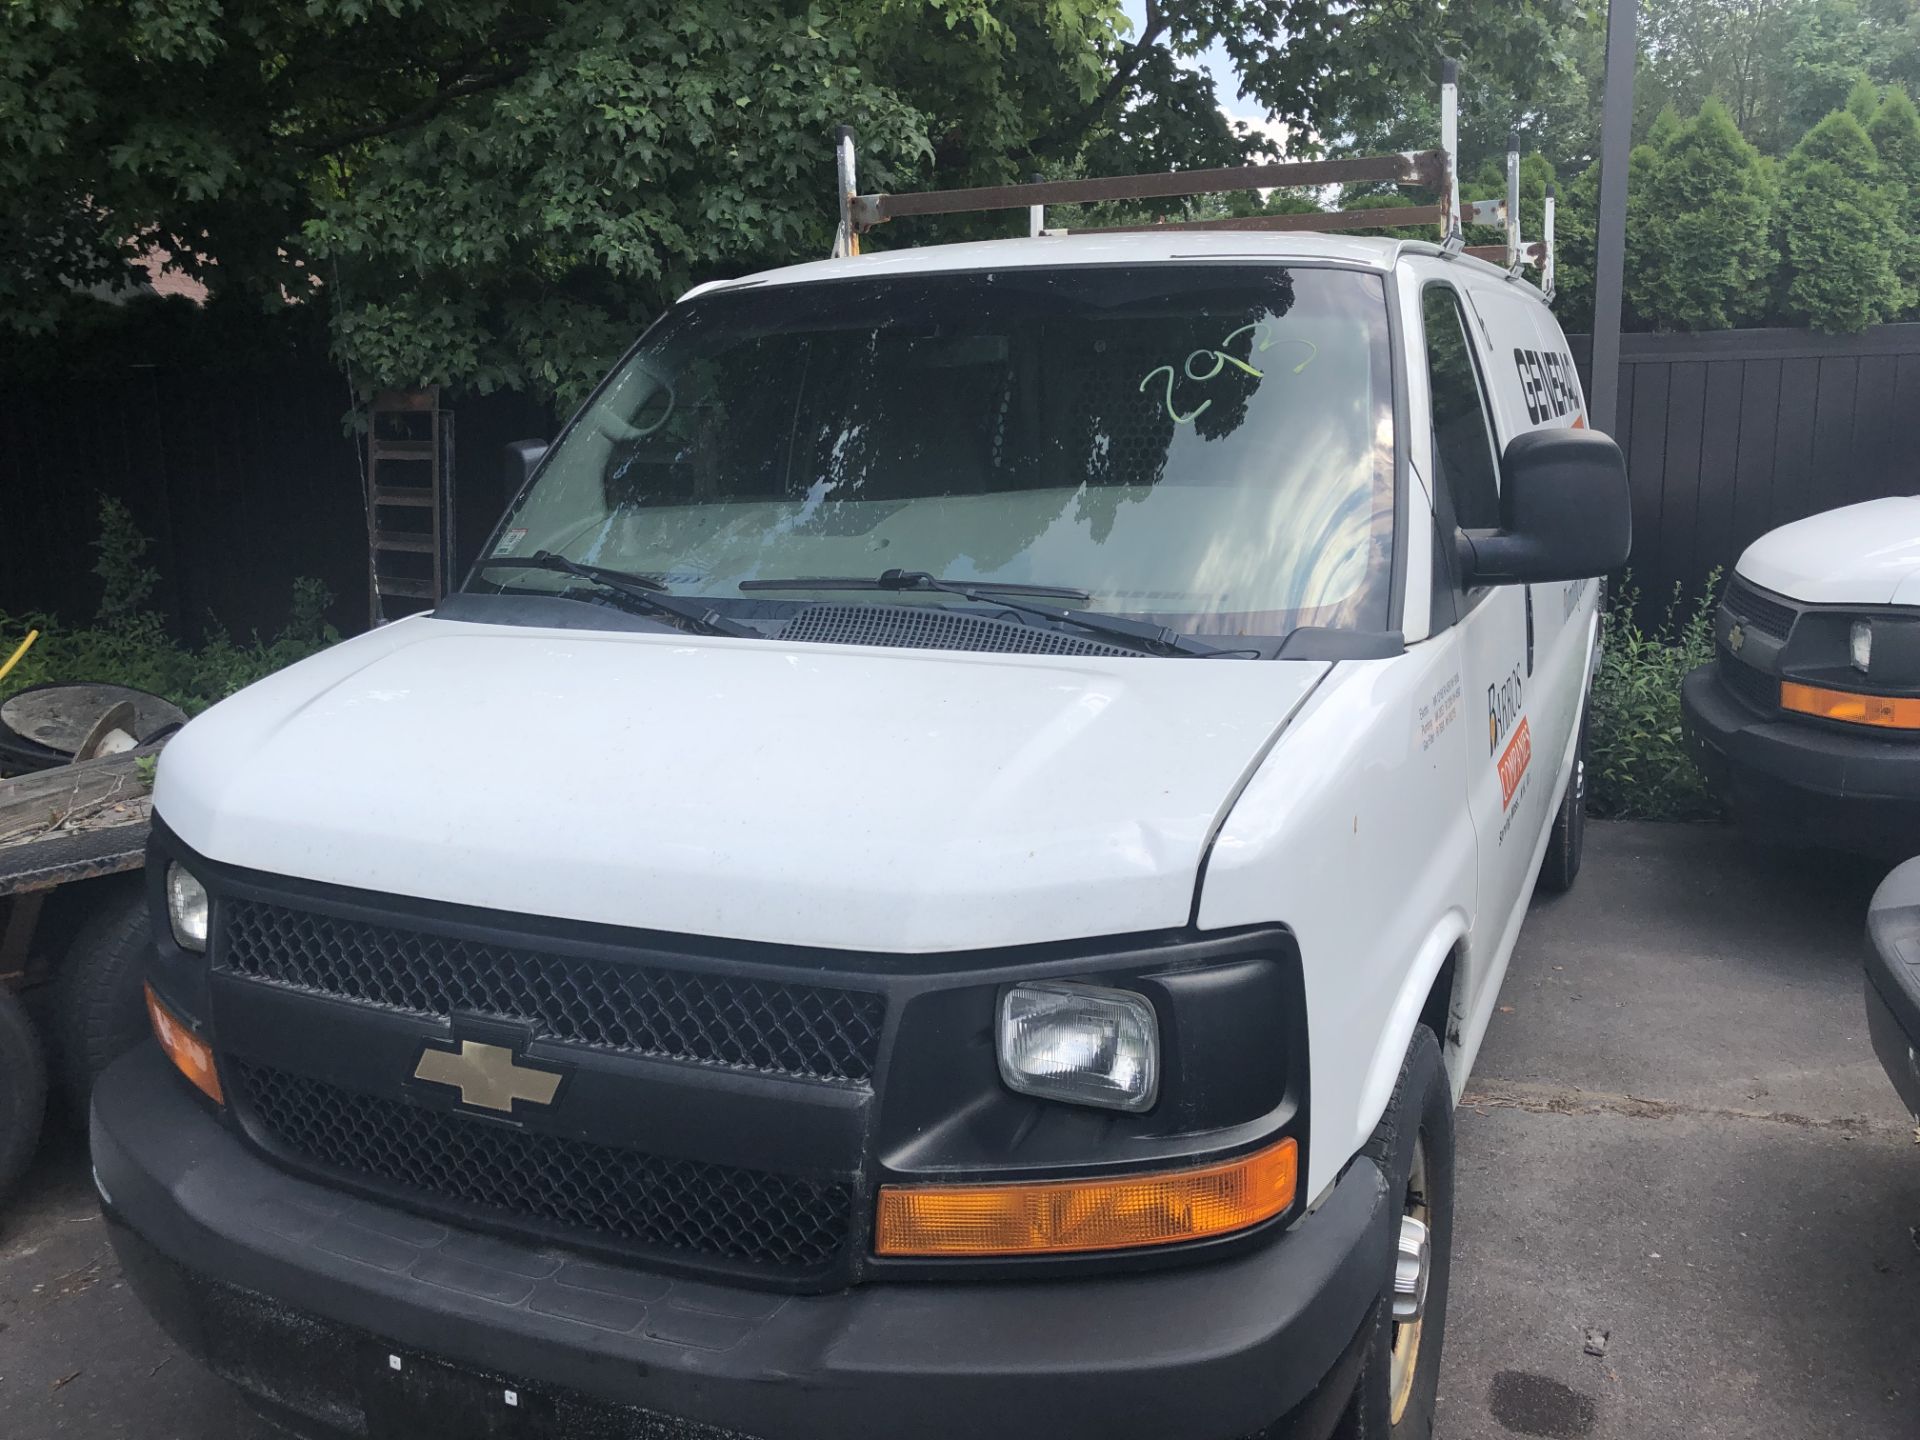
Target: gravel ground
(1677, 1150)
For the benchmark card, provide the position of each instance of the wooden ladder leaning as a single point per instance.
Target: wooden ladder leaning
(409, 502)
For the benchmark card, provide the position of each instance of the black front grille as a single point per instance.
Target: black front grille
(918, 628)
(1762, 612)
(812, 1031)
(547, 1184)
(1756, 687)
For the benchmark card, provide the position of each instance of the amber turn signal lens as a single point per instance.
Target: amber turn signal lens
(1889, 712)
(191, 1055)
(1057, 1217)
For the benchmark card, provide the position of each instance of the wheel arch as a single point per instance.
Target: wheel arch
(1428, 993)
(1438, 1013)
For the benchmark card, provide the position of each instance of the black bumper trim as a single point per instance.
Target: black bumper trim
(1800, 780)
(1208, 1351)
(1893, 979)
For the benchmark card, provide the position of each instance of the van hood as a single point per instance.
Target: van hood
(1866, 554)
(845, 797)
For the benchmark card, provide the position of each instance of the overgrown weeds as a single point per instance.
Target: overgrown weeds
(128, 644)
(1637, 762)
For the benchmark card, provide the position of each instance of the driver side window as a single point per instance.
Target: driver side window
(1465, 463)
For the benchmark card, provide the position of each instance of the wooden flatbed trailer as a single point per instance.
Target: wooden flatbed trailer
(73, 932)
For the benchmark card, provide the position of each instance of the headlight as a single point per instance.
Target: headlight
(1081, 1044)
(1860, 646)
(186, 908)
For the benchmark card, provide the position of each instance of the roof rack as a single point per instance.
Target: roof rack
(1437, 170)
(1514, 252)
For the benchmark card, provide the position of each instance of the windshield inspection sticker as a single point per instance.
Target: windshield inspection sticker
(510, 541)
(1439, 713)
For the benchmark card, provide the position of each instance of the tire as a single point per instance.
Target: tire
(1568, 844)
(1391, 1402)
(99, 1004)
(23, 1092)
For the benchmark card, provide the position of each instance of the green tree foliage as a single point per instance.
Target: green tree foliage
(1575, 224)
(1554, 110)
(500, 192)
(1863, 102)
(1704, 249)
(1730, 50)
(1779, 66)
(1573, 230)
(128, 642)
(1834, 44)
(1836, 225)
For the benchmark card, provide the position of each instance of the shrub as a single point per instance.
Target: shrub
(1895, 133)
(1863, 102)
(1707, 208)
(1637, 763)
(1837, 231)
(128, 643)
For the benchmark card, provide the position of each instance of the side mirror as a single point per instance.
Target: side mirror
(1565, 512)
(522, 457)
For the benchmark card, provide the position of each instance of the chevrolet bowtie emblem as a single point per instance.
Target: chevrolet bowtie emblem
(487, 1076)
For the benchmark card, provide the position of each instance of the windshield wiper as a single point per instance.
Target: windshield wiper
(865, 582)
(1141, 636)
(641, 592)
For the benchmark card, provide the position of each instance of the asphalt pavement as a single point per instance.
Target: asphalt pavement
(1688, 1200)
(1677, 1149)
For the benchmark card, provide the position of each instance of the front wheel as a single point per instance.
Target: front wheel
(23, 1091)
(100, 1004)
(1569, 840)
(1413, 1146)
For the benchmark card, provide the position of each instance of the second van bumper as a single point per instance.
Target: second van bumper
(1893, 980)
(1803, 782)
(338, 1315)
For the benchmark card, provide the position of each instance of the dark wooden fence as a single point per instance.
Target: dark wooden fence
(243, 479)
(1730, 434)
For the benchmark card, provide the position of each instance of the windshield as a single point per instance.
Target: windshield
(1205, 446)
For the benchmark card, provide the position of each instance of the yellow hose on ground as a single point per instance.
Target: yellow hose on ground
(19, 654)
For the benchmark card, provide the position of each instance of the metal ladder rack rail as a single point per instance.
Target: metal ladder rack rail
(1436, 170)
(1515, 252)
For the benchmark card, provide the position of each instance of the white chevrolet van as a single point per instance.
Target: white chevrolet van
(941, 878)
(1803, 723)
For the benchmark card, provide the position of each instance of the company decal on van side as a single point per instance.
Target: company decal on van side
(1507, 725)
(1436, 717)
(1546, 382)
(1503, 709)
(1513, 763)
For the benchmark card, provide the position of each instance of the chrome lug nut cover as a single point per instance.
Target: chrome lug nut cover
(1413, 1254)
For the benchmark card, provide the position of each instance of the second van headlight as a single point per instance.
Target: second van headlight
(1860, 646)
(1082, 1044)
(187, 907)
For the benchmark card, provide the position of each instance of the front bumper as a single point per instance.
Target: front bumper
(1799, 780)
(1893, 979)
(343, 1316)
